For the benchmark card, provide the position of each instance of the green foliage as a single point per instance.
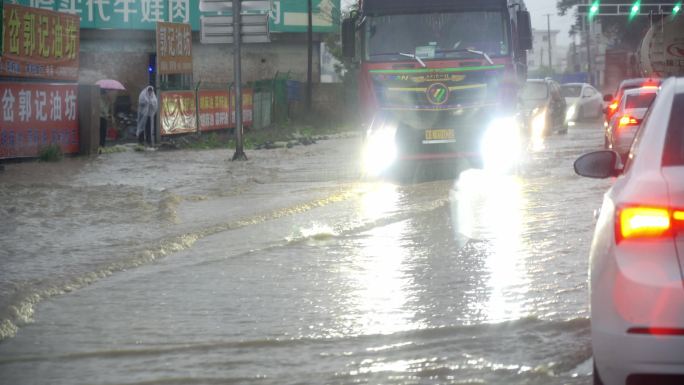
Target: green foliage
(50, 153)
(207, 142)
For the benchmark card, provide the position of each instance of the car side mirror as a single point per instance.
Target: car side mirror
(349, 38)
(599, 164)
(608, 98)
(524, 30)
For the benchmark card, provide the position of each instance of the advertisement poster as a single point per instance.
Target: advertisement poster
(35, 115)
(213, 110)
(178, 113)
(174, 48)
(39, 44)
(247, 107)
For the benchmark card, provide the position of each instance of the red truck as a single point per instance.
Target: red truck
(439, 79)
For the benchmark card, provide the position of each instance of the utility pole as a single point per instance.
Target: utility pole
(309, 38)
(237, 41)
(588, 38)
(548, 37)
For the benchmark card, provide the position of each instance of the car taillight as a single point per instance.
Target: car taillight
(613, 106)
(647, 222)
(627, 121)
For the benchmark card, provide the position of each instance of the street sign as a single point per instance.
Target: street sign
(626, 9)
(219, 29)
(245, 5)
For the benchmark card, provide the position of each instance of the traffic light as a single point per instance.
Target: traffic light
(594, 9)
(677, 8)
(636, 7)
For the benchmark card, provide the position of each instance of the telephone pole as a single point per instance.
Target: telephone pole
(548, 37)
(309, 44)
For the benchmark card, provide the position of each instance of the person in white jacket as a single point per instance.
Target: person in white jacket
(147, 109)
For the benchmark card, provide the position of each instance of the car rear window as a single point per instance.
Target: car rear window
(642, 100)
(674, 143)
(571, 91)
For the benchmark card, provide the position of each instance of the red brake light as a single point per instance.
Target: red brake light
(627, 121)
(643, 222)
(613, 106)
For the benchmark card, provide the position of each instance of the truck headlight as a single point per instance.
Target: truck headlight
(380, 150)
(501, 143)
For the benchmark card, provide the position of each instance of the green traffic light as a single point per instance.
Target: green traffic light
(677, 7)
(594, 9)
(635, 9)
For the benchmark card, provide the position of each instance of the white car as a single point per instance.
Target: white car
(637, 253)
(583, 101)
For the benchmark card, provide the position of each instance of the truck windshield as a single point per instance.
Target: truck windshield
(436, 35)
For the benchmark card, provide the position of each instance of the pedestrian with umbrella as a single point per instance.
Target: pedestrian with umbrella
(106, 104)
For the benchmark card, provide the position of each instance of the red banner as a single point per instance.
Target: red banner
(247, 106)
(213, 110)
(178, 113)
(39, 44)
(34, 115)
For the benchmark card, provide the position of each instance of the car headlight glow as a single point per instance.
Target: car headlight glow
(570, 113)
(501, 144)
(539, 124)
(380, 150)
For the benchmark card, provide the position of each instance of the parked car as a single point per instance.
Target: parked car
(627, 119)
(543, 107)
(613, 100)
(637, 253)
(583, 102)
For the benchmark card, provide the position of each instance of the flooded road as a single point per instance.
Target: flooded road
(185, 268)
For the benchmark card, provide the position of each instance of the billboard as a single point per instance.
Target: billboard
(284, 16)
(34, 115)
(123, 14)
(213, 110)
(39, 44)
(178, 112)
(174, 48)
(247, 106)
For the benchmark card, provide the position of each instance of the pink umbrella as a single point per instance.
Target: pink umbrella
(110, 84)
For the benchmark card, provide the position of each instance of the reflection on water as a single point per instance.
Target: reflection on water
(489, 208)
(378, 271)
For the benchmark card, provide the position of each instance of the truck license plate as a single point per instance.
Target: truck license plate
(439, 136)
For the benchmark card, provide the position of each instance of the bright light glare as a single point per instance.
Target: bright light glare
(539, 125)
(380, 151)
(500, 145)
(643, 222)
(570, 113)
(678, 215)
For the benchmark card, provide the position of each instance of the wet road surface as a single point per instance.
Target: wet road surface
(185, 268)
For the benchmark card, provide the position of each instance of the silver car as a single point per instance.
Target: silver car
(627, 118)
(583, 101)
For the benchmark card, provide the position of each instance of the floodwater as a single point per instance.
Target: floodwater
(185, 268)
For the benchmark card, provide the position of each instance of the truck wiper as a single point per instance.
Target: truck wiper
(481, 53)
(412, 56)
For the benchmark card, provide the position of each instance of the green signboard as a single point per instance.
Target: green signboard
(291, 16)
(123, 14)
(285, 15)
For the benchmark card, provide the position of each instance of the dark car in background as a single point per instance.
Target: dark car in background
(543, 107)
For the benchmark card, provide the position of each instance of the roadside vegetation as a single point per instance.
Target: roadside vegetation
(50, 153)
